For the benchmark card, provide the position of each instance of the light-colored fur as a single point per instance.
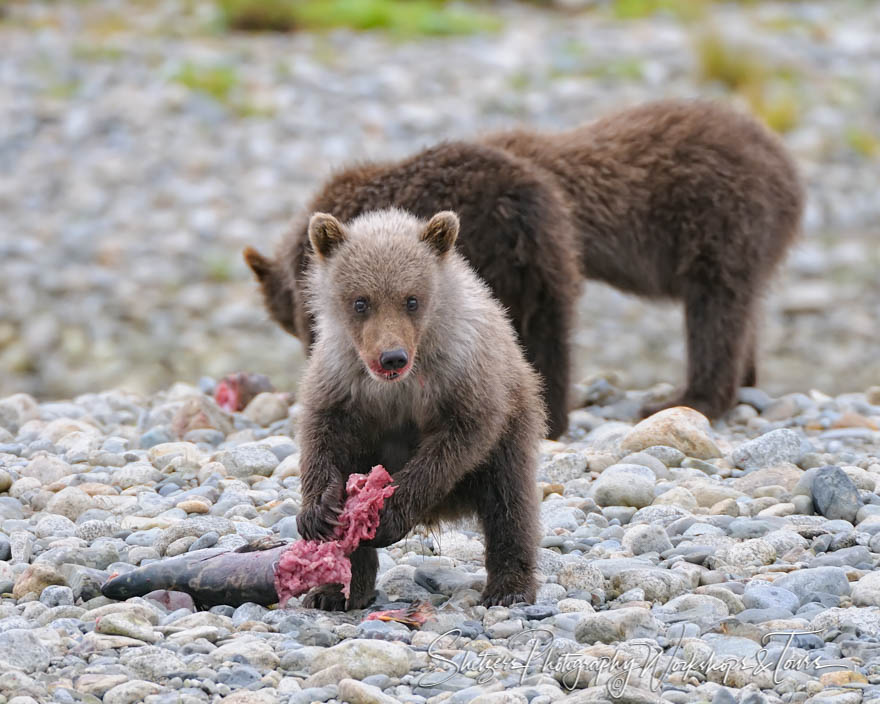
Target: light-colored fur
(447, 353)
(458, 429)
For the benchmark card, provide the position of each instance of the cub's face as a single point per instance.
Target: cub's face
(381, 273)
(386, 323)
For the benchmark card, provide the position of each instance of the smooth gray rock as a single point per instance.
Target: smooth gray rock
(646, 538)
(246, 460)
(775, 447)
(805, 582)
(445, 580)
(834, 494)
(763, 596)
(22, 649)
(616, 625)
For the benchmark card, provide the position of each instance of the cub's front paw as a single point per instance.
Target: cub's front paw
(515, 590)
(361, 601)
(507, 599)
(328, 597)
(319, 522)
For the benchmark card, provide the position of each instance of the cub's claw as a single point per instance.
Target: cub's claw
(319, 522)
(498, 599)
(327, 598)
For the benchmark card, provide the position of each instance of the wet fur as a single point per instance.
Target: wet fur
(459, 433)
(678, 200)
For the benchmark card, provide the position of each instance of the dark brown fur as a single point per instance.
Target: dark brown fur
(680, 200)
(458, 429)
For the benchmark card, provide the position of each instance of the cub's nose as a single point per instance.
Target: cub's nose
(393, 360)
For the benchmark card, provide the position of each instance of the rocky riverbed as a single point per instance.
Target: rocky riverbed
(141, 149)
(671, 548)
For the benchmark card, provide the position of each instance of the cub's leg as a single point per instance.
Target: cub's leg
(750, 363)
(364, 565)
(329, 597)
(547, 348)
(719, 344)
(507, 503)
(531, 262)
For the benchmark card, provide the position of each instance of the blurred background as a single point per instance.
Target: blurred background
(144, 143)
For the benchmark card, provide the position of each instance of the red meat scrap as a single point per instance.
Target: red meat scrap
(311, 563)
(235, 391)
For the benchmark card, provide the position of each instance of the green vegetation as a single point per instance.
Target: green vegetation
(575, 60)
(771, 91)
(216, 81)
(218, 267)
(97, 52)
(620, 69)
(687, 10)
(520, 81)
(778, 106)
(63, 89)
(863, 142)
(404, 18)
(732, 66)
(221, 83)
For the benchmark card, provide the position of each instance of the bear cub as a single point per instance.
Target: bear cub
(416, 366)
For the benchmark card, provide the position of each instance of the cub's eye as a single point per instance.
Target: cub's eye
(360, 305)
(412, 304)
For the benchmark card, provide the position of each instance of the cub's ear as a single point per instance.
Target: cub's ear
(278, 295)
(441, 231)
(260, 265)
(326, 233)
